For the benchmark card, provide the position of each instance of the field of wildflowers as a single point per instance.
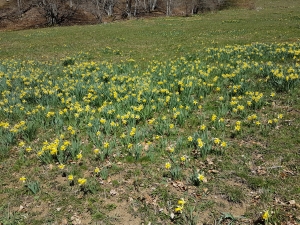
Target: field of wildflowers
(85, 138)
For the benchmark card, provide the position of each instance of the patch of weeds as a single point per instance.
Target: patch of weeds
(265, 194)
(4, 151)
(254, 182)
(115, 168)
(10, 218)
(146, 159)
(163, 193)
(31, 131)
(33, 186)
(104, 173)
(233, 194)
(227, 218)
(129, 159)
(206, 205)
(98, 216)
(115, 183)
(110, 207)
(190, 217)
(176, 173)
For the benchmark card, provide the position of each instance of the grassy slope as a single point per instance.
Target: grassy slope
(258, 172)
(275, 21)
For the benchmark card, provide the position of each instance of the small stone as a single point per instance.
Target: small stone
(292, 202)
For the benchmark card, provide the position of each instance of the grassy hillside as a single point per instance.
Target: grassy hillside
(272, 21)
(162, 121)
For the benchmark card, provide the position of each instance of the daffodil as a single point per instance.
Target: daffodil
(217, 141)
(61, 166)
(23, 179)
(178, 209)
(223, 144)
(97, 170)
(202, 127)
(105, 144)
(237, 128)
(81, 181)
(181, 202)
(22, 144)
(168, 165)
(79, 156)
(200, 143)
(266, 215)
(171, 149)
(201, 177)
(213, 117)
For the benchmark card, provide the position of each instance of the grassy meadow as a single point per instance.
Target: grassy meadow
(177, 120)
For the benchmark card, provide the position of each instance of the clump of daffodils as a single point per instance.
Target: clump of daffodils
(81, 181)
(180, 205)
(198, 178)
(266, 215)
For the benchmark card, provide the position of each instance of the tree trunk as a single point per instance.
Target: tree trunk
(136, 7)
(98, 13)
(19, 6)
(128, 7)
(169, 5)
(153, 6)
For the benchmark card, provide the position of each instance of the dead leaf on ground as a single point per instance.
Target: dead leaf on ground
(64, 221)
(113, 192)
(21, 207)
(213, 171)
(75, 219)
(261, 170)
(209, 161)
(278, 201)
(180, 185)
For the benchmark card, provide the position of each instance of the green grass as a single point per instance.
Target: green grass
(69, 93)
(160, 38)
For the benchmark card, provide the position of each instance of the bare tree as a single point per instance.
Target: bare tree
(149, 5)
(109, 5)
(169, 7)
(136, 7)
(96, 8)
(19, 2)
(24, 6)
(57, 11)
(128, 8)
